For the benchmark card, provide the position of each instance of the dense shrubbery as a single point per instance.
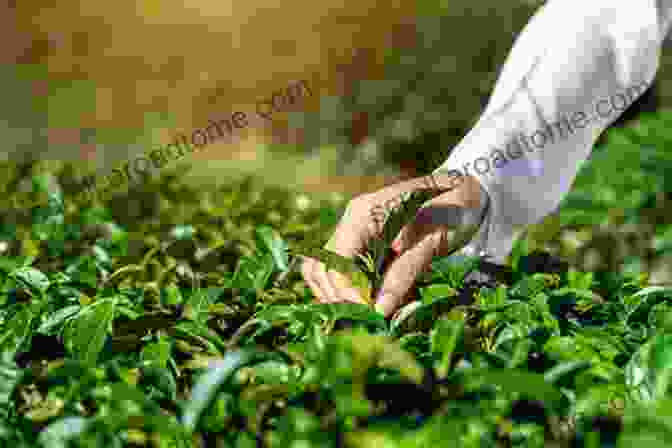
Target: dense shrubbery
(112, 313)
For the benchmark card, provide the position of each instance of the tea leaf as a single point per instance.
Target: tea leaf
(396, 219)
(32, 278)
(85, 334)
(344, 265)
(273, 243)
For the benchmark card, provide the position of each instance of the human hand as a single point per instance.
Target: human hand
(430, 234)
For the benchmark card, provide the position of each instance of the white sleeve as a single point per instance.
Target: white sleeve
(573, 70)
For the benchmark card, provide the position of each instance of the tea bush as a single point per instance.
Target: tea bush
(169, 316)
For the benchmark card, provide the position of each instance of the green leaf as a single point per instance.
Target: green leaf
(660, 317)
(435, 292)
(59, 433)
(344, 265)
(368, 262)
(519, 250)
(253, 272)
(638, 305)
(444, 339)
(452, 269)
(271, 241)
(351, 354)
(198, 305)
(579, 280)
(331, 260)
(131, 270)
(122, 391)
(358, 312)
(84, 271)
(396, 219)
(652, 290)
(203, 334)
(648, 372)
(647, 426)
(182, 232)
(161, 379)
(523, 382)
(662, 353)
(587, 295)
(57, 319)
(208, 385)
(638, 377)
(529, 286)
(85, 334)
(519, 353)
(566, 348)
(273, 372)
(32, 278)
(8, 264)
(405, 317)
(156, 353)
(17, 330)
(560, 371)
(10, 377)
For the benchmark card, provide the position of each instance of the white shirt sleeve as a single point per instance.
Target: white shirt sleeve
(573, 70)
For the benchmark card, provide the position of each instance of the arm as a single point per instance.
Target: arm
(573, 70)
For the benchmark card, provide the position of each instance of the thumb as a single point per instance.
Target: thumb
(402, 272)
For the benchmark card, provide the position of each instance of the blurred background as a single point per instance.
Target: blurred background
(395, 87)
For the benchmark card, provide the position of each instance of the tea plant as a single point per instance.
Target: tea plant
(171, 317)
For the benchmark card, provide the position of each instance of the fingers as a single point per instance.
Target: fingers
(307, 268)
(403, 271)
(418, 242)
(328, 287)
(449, 211)
(349, 238)
(314, 274)
(344, 289)
(439, 228)
(353, 230)
(432, 218)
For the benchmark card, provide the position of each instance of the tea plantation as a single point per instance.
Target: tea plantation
(173, 317)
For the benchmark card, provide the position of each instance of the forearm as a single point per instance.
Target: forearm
(573, 70)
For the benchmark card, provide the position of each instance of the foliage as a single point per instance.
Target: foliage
(172, 317)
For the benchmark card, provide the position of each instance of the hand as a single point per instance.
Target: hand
(427, 236)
